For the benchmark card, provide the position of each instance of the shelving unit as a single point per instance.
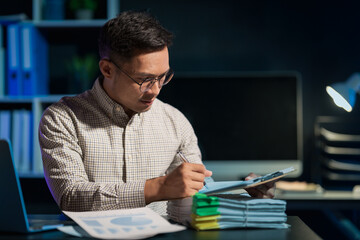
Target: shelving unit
(112, 9)
(69, 23)
(35, 105)
(338, 151)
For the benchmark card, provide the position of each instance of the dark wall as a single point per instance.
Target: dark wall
(320, 39)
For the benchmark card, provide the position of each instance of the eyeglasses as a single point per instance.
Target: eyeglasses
(147, 83)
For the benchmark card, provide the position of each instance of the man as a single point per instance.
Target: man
(115, 146)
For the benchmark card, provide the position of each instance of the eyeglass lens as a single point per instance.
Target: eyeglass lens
(163, 80)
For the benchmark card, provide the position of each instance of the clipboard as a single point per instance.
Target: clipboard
(224, 186)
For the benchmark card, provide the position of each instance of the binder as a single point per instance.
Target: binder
(37, 164)
(34, 61)
(26, 145)
(14, 72)
(16, 135)
(5, 124)
(2, 62)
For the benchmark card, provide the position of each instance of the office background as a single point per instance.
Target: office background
(319, 39)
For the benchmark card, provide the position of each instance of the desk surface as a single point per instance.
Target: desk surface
(298, 231)
(328, 200)
(326, 195)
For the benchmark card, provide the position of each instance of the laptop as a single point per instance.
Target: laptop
(13, 217)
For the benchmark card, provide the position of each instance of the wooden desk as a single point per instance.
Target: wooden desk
(298, 231)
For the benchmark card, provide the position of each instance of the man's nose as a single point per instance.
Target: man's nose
(155, 88)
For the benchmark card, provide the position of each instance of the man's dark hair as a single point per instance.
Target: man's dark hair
(131, 32)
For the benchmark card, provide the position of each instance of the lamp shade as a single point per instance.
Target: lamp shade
(344, 93)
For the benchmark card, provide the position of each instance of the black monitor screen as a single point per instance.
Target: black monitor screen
(240, 116)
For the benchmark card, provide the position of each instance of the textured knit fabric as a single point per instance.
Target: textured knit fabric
(97, 158)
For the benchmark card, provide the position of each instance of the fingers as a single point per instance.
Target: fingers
(261, 192)
(194, 167)
(251, 176)
(266, 190)
(254, 192)
(271, 184)
(197, 186)
(196, 176)
(196, 173)
(208, 173)
(184, 181)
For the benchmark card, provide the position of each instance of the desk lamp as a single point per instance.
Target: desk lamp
(344, 93)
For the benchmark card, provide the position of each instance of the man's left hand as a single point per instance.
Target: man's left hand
(266, 190)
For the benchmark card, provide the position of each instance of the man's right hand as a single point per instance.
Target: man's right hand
(184, 181)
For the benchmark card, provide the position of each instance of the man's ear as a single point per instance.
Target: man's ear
(106, 68)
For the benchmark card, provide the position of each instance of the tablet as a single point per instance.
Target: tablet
(224, 186)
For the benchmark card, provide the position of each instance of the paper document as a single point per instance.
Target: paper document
(135, 223)
(223, 211)
(223, 186)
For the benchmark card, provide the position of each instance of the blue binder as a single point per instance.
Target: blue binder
(16, 136)
(2, 62)
(14, 73)
(5, 124)
(34, 61)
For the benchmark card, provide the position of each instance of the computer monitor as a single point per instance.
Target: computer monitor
(245, 121)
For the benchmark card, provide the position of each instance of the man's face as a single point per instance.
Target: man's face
(127, 93)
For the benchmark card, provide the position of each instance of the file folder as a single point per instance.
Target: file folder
(2, 62)
(14, 72)
(26, 142)
(34, 61)
(5, 124)
(16, 136)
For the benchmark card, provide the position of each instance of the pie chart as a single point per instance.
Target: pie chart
(131, 221)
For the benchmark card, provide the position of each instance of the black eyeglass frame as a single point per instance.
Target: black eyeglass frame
(168, 76)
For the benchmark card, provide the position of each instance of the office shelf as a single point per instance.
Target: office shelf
(69, 23)
(338, 150)
(33, 107)
(31, 175)
(68, 39)
(112, 9)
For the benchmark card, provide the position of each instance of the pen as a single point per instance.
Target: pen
(183, 157)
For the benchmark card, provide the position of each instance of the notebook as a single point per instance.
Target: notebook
(13, 216)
